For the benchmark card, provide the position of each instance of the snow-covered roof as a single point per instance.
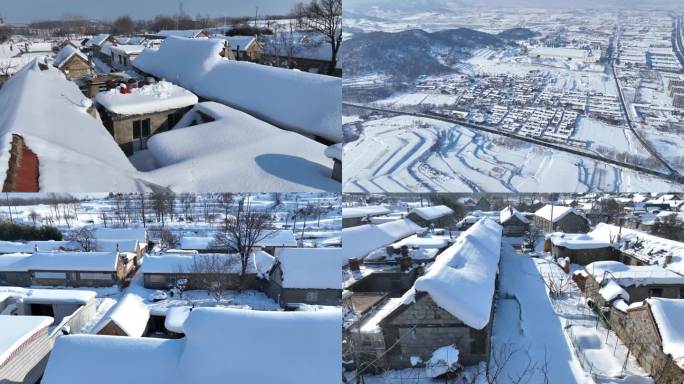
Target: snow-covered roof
(44, 296)
(576, 241)
(334, 151)
(432, 213)
(30, 246)
(249, 350)
(130, 314)
(632, 275)
(510, 212)
(647, 248)
(557, 211)
(243, 42)
(175, 318)
(14, 262)
(128, 49)
(254, 155)
(319, 268)
(139, 234)
(16, 330)
(158, 97)
(305, 45)
(360, 240)
(299, 101)
(187, 33)
(369, 210)
(668, 315)
(461, 280)
(67, 53)
(612, 291)
(275, 238)
(97, 40)
(178, 263)
(50, 113)
(73, 261)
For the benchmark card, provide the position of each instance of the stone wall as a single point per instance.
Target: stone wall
(637, 329)
(422, 327)
(584, 256)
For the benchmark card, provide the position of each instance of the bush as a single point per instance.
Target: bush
(21, 232)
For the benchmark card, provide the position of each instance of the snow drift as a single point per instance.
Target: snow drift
(303, 102)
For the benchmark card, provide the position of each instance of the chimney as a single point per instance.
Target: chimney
(405, 263)
(354, 264)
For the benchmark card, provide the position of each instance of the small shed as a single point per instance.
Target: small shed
(306, 276)
(128, 317)
(246, 48)
(437, 215)
(513, 222)
(557, 218)
(72, 62)
(579, 248)
(133, 115)
(359, 215)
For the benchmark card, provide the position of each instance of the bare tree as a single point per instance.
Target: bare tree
(244, 231)
(210, 272)
(325, 16)
(167, 239)
(84, 237)
(123, 25)
(141, 198)
(34, 216)
(187, 201)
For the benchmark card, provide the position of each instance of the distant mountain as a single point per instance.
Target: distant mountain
(408, 54)
(518, 34)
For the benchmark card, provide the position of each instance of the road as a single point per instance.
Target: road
(518, 137)
(677, 37)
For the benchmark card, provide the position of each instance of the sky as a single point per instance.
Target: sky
(359, 5)
(20, 11)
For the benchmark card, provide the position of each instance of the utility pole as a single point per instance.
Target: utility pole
(256, 16)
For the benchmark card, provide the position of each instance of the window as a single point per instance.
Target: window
(49, 275)
(173, 120)
(311, 296)
(159, 279)
(655, 292)
(95, 276)
(141, 129)
(125, 61)
(681, 293)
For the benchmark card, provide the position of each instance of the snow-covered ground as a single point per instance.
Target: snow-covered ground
(411, 154)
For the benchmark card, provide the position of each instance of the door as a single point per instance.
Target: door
(141, 132)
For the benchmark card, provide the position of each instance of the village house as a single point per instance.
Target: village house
(187, 33)
(245, 48)
(163, 271)
(133, 115)
(555, 218)
(96, 43)
(128, 317)
(355, 216)
(73, 269)
(306, 276)
(653, 331)
(24, 348)
(122, 56)
(578, 248)
(513, 222)
(210, 352)
(607, 281)
(129, 240)
(275, 239)
(639, 248)
(305, 51)
(73, 63)
(361, 240)
(451, 304)
(435, 216)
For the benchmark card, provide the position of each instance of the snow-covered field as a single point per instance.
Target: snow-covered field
(410, 154)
